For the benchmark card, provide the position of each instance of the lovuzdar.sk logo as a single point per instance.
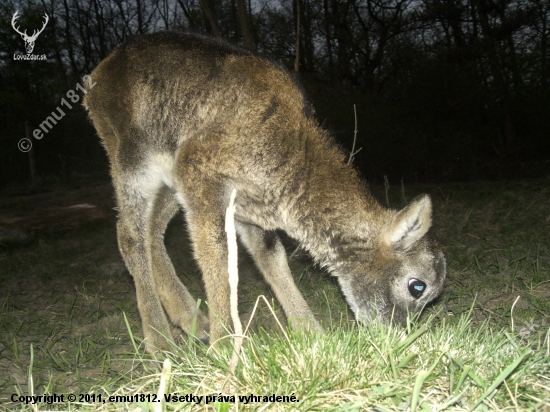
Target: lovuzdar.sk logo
(29, 40)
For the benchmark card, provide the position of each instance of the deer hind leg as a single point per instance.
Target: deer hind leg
(269, 255)
(175, 298)
(136, 191)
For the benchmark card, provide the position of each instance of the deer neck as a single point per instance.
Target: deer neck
(331, 211)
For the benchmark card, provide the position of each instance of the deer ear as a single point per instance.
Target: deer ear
(409, 224)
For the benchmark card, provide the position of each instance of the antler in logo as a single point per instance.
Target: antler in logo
(29, 40)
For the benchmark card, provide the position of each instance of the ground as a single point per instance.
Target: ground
(67, 292)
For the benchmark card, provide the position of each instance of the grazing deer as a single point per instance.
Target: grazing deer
(29, 40)
(185, 120)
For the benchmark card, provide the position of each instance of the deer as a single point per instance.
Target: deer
(185, 120)
(29, 40)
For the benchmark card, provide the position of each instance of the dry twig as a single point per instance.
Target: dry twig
(233, 271)
(353, 152)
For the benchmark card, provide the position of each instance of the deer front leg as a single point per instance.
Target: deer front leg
(268, 253)
(204, 194)
(210, 246)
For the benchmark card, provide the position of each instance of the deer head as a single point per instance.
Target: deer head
(29, 40)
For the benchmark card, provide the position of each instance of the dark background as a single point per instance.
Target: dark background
(445, 90)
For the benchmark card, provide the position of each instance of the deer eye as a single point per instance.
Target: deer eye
(416, 287)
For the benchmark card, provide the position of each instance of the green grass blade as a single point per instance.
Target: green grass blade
(503, 375)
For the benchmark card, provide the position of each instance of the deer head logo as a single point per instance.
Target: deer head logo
(29, 40)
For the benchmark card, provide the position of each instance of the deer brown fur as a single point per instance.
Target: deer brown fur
(185, 120)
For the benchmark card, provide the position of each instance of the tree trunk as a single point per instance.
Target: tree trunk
(245, 25)
(499, 74)
(341, 34)
(297, 59)
(209, 12)
(328, 38)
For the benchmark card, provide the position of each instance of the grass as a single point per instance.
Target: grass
(69, 323)
(432, 364)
